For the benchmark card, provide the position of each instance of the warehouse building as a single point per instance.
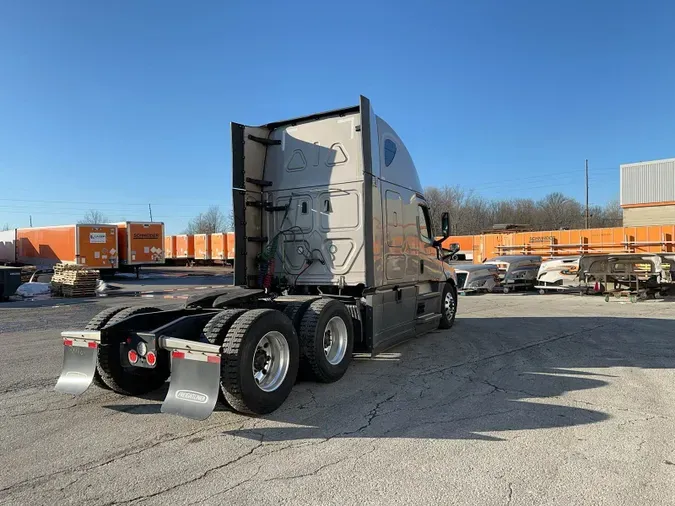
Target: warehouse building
(648, 193)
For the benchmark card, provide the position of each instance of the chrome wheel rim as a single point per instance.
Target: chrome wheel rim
(335, 338)
(270, 361)
(449, 305)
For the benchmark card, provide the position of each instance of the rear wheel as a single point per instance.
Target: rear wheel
(122, 377)
(326, 340)
(97, 323)
(260, 361)
(295, 311)
(215, 332)
(448, 306)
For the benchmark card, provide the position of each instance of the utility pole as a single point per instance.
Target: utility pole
(150, 209)
(30, 220)
(587, 215)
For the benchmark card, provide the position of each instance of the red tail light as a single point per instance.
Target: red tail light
(213, 359)
(132, 356)
(92, 344)
(68, 342)
(151, 358)
(178, 354)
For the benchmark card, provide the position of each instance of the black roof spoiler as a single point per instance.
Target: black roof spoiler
(313, 117)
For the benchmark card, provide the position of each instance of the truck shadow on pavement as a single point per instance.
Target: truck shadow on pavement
(484, 376)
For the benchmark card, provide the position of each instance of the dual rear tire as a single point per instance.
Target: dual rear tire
(260, 358)
(111, 371)
(263, 350)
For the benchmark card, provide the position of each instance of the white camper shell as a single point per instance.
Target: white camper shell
(559, 275)
(475, 278)
(516, 271)
(334, 253)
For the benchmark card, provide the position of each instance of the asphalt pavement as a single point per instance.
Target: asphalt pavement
(551, 399)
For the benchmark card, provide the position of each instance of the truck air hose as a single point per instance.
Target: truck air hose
(266, 270)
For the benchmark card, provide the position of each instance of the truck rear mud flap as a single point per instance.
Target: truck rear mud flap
(79, 361)
(195, 372)
(195, 378)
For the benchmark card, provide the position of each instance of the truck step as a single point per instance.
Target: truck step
(256, 239)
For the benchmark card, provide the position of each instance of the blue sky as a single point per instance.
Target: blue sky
(114, 105)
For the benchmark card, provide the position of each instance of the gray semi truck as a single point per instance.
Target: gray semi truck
(334, 253)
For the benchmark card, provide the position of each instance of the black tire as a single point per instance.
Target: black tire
(216, 330)
(295, 311)
(448, 311)
(312, 331)
(101, 319)
(218, 326)
(239, 347)
(130, 380)
(97, 323)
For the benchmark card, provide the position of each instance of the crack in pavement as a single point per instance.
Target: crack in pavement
(370, 417)
(89, 466)
(191, 480)
(465, 418)
(513, 350)
(229, 489)
(510, 495)
(321, 468)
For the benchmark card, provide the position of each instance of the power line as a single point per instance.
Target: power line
(144, 204)
(533, 179)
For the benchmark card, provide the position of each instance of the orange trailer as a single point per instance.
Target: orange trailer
(222, 246)
(202, 246)
(555, 243)
(185, 246)
(218, 247)
(170, 246)
(140, 243)
(93, 246)
(230, 246)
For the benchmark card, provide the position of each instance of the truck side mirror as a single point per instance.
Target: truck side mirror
(450, 254)
(445, 225)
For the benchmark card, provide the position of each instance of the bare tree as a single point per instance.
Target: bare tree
(209, 222)
(472, 214)
(559, 211)
(5, 227)
(230, 221)
(612, 213)
(94, 217)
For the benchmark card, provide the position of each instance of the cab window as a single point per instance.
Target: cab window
(424, 224)
(389, 152)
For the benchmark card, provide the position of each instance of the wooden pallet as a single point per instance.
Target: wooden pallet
(72, 280)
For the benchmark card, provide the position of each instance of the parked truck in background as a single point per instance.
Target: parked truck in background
(335, 252)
